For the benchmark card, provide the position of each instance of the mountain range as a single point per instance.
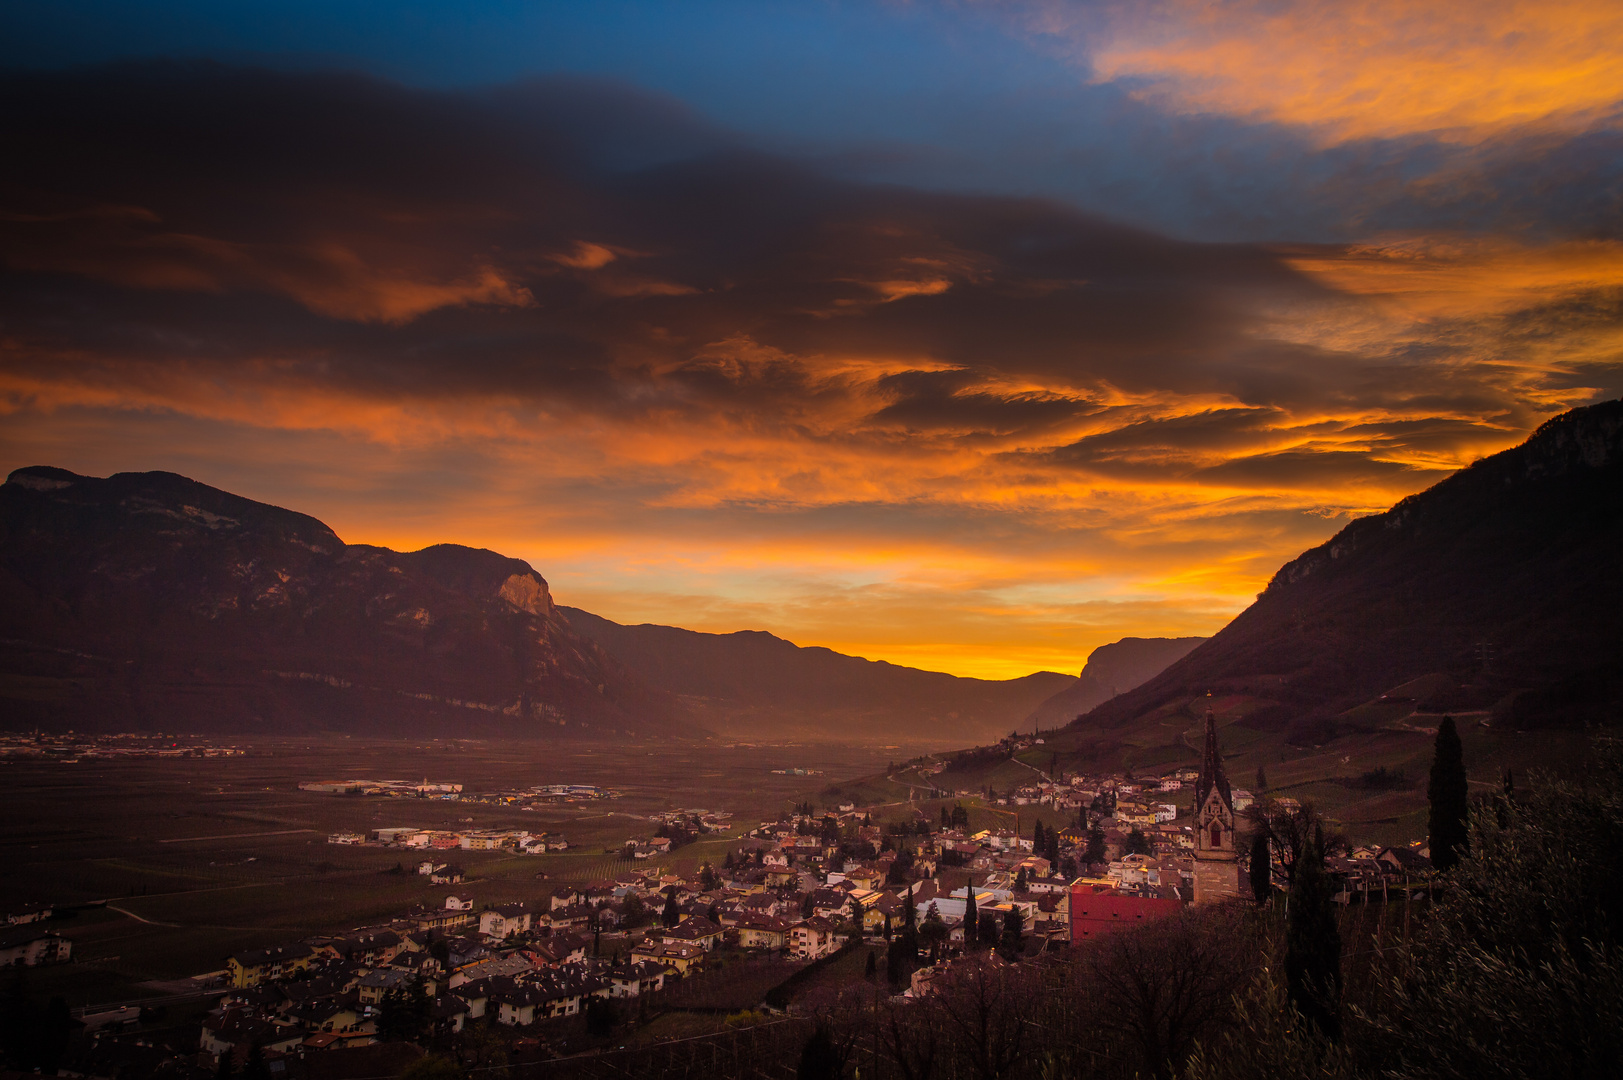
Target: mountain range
(149, 601)
(751, 682)
(1498, 590)
(1111, 669)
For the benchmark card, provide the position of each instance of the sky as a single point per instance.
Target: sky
(969, 336)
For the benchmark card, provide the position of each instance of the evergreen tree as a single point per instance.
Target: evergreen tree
(972, 922)
(871, 971)
(1020, 880)
(1051, 851)
(1448, 794)
(256, 1067)
(1262, 779)
(1011, 946)
(820, 1059)
(1261, 868)
(1095, 852)
(19, 1021)
(946, 818)
(1038, 839)
(599, 1017)
(934, 931)
(55, 1032)
(672, 914)
(1313, 942)
(856, 918)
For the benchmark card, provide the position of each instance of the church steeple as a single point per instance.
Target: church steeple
(1216, 869)
(1211, 768)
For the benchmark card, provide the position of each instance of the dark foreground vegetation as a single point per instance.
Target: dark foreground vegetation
(1513, 971)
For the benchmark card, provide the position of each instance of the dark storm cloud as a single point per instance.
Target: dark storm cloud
(555, 238)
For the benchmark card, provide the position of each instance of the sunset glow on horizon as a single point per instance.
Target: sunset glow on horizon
(1074, 323)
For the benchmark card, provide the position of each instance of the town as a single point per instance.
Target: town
(918, 896)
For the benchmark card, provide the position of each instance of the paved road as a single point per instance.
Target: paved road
(234, 836)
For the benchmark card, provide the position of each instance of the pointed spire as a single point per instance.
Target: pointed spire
(1211, 767)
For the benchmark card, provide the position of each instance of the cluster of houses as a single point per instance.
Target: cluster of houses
(801, 888)
(72, 747)
(526, 798)
(402, 789)
(520, 841)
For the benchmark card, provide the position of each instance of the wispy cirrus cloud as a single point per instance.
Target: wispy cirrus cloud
(1359, 68)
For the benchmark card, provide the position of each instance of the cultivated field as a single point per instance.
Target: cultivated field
(198, 858)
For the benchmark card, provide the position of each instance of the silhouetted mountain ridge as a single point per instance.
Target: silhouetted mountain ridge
(1110, 670)
(1507, 576)
(151, 601)
(753, 681)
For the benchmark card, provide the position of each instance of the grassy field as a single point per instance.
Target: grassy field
(199, 858)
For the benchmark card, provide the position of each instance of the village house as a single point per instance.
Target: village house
(678, 956)
(695, 930)
(813, 938)
(263, 965)
(504, 921)
(29, 946)
(633, 979)
(757, 931)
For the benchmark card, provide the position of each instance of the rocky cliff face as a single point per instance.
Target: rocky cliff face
(1507, 576)
(149, 600)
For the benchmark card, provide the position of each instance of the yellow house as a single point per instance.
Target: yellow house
(263, 965)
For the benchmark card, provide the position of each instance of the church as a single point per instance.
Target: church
(1217, 866)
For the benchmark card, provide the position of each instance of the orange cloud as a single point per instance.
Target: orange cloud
(978, 434)
(123, 246)
(1360, 68)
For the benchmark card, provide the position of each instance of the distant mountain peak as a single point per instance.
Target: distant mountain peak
(191, 608)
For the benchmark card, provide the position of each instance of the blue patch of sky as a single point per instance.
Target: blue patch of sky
(948, 97)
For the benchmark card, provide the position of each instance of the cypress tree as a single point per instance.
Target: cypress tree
(972, 928)
(1261, 869)
(1313, 942)
(1013, 930)
(672, 914)
(256, 1067)
(1448, 793)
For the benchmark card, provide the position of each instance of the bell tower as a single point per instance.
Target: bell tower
(1217, 868)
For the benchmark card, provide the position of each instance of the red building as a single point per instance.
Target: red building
(1097, 911)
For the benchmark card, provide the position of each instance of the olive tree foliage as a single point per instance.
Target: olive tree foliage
(979, 1020)
(1518, 972)
(1266, 1037)
(1148, 995)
